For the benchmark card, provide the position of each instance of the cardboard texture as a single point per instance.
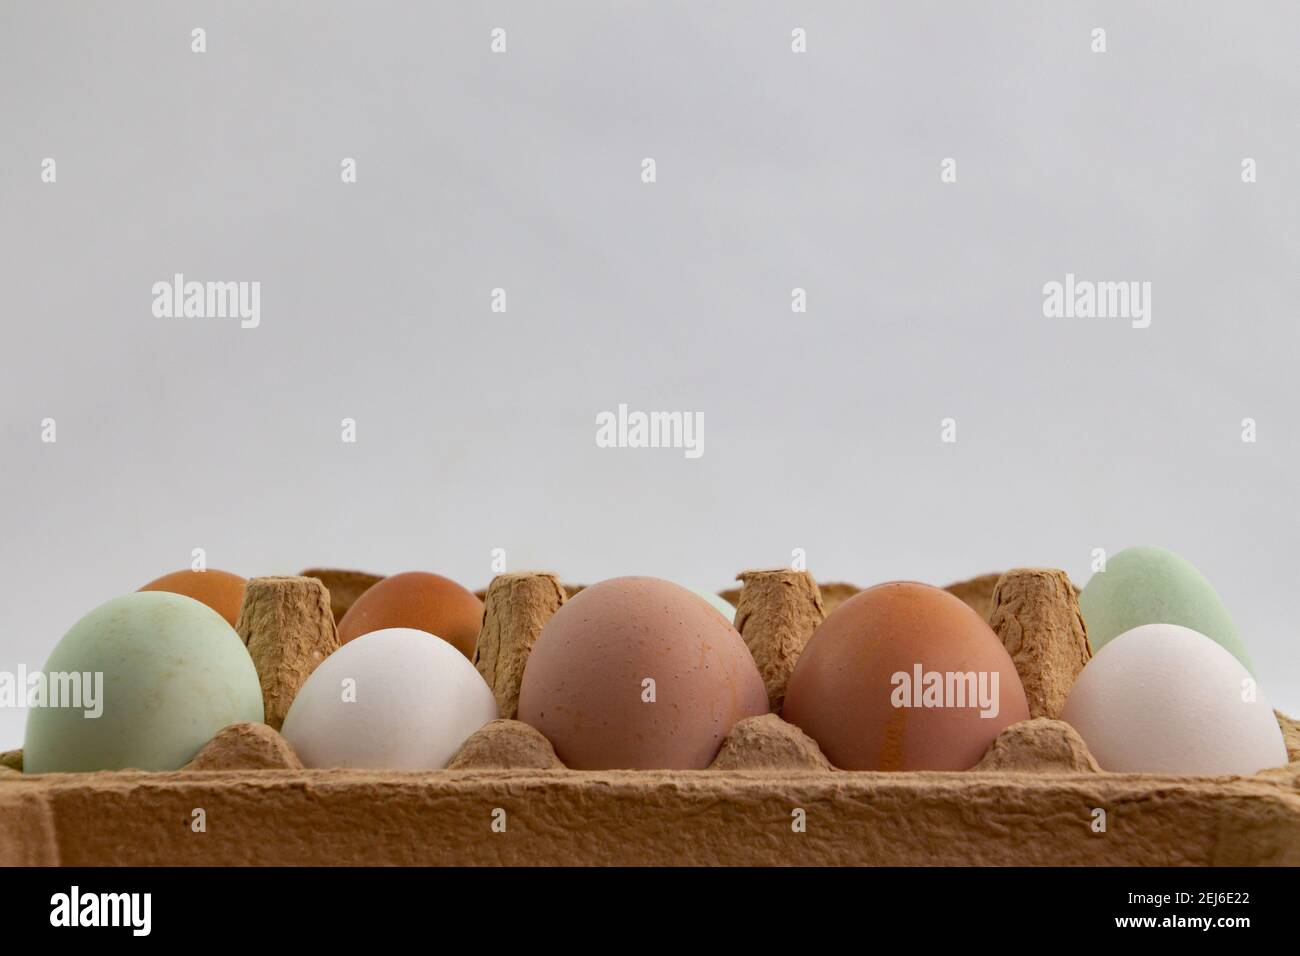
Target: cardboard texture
(770, 798)
(288, 627)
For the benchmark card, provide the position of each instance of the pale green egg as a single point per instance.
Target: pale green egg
(1149, 585)
(171, 673)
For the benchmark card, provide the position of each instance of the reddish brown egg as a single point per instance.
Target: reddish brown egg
(219, 590)
(426, 602)
(904, 676)
(638, 673)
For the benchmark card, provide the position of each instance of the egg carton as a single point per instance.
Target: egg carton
(770, 797)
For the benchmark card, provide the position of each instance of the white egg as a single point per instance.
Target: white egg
(1161, 698)
(719, 604)
(395, 699)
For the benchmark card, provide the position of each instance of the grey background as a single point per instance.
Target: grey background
(476, 430)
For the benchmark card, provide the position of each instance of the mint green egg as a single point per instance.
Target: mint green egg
(173, 673)
(1149, 585)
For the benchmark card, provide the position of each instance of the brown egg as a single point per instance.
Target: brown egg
(638, 673)
(219, 590)
(904, 676)
(426, 602)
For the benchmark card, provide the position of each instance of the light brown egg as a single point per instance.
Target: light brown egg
(904, 676)
(426, 602)
(219, 590)
(638, 673)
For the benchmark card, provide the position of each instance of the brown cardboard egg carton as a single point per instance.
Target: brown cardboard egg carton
(770, 798)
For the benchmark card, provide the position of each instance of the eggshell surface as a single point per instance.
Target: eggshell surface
(638, 673)
(419, 600)
(174, 673)
(719, 604)
(844, 687)
(1149, 585)
(394, 699)
(219, 590)
(1162, 698)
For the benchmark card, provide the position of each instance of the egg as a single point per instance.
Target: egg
(638, 673)
(219, 590)
(392, 699)
(1162, 698)
(417, 599)
(174, 672)
(719, 604)
(1148, 585)
(904, 676)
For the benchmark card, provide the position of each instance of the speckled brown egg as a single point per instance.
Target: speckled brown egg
(219, 590)
(638, 673)
(417, 599)
(904, 676)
